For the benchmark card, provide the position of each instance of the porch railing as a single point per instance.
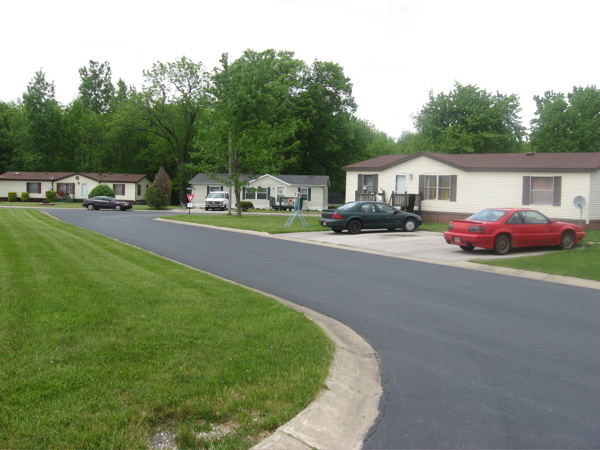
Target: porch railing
(406, 201)
(369, 196)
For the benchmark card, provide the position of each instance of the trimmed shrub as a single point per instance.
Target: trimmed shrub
(102, 189)
(156, 198)
(24, 196)
(50, 195)
(246, 206)
(12, 196)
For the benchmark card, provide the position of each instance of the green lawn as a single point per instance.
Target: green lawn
(104, 345)
(582, 262)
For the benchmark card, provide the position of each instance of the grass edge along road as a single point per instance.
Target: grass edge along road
(105, 345)
(583, 262)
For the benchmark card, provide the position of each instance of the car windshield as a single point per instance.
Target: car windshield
(347, 206)
(215, 195)
(488, 215)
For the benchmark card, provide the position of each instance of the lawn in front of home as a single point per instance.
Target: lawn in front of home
(105, 345)
(581, 262)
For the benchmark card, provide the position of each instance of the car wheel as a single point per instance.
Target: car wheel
(337, 230)
(467, 248)
(118, 207)
(502, 244)
(354, 226)
(567, 240)
(90, 207)
(410, 225)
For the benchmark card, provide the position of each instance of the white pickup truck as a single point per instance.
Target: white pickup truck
(217, 200)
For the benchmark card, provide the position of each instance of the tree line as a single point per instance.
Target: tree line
(265, 112)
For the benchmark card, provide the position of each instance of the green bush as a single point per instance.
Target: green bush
(156, 198)
(50, 195)
(24, 196)
(102, 189)
(12, 196)
(246, 206)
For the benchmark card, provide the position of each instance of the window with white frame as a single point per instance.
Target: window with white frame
(34, 188)
(437, 187)
(258, 193)
(304, 193)
(542, 190)
(119, 189)
(66, 188)
(367, 187)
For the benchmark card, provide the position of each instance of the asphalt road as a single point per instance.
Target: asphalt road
(468, 359)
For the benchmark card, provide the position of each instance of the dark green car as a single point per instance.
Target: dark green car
(355, 216)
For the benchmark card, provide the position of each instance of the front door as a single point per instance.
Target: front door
(401, 184)
(280, 192)
(84, 190)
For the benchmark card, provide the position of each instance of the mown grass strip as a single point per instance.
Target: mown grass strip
(581, 262)
(102, 345)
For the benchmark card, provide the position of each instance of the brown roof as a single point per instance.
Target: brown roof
(100, 177)
(534, 162)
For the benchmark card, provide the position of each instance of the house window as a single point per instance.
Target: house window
(542, 190)
(119, 189)
(139, 189)
(215, 189)
(367, 187)
(65, 189)
(304, 193)
(437, 187)
(34, 188)
(258, 193)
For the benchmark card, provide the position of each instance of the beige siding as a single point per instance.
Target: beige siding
(319, 194)
(479, 190)
(318, 197)
(593, 197)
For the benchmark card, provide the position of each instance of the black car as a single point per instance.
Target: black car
(105, 202)
(355, 216)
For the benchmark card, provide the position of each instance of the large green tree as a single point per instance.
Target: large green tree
(96, 90)
(41, 149)
(11, 132)
(567, 123)
(172, 100)
(470, 120)
(251, 125)
(325, 106)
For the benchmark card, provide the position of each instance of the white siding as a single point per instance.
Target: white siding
(486, 189)
(593, 197)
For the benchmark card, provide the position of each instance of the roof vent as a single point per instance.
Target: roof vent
(530, 153)
(17, 173)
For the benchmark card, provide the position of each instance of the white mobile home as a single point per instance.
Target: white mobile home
(453, 186)
(265, 191)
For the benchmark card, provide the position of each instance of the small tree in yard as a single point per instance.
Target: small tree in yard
(158, 196)
(102, 189)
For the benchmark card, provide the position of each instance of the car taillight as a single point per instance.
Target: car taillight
(476, 229)
(336, 216)
(450, 226)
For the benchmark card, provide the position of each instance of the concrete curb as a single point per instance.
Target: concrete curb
(347, 407)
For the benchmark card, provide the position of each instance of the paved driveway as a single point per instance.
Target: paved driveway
(422, 245)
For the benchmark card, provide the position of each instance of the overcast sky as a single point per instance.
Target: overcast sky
(395, 52)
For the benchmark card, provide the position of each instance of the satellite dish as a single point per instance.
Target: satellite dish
(579, 202)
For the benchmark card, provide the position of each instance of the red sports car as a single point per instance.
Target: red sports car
(501, 229)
